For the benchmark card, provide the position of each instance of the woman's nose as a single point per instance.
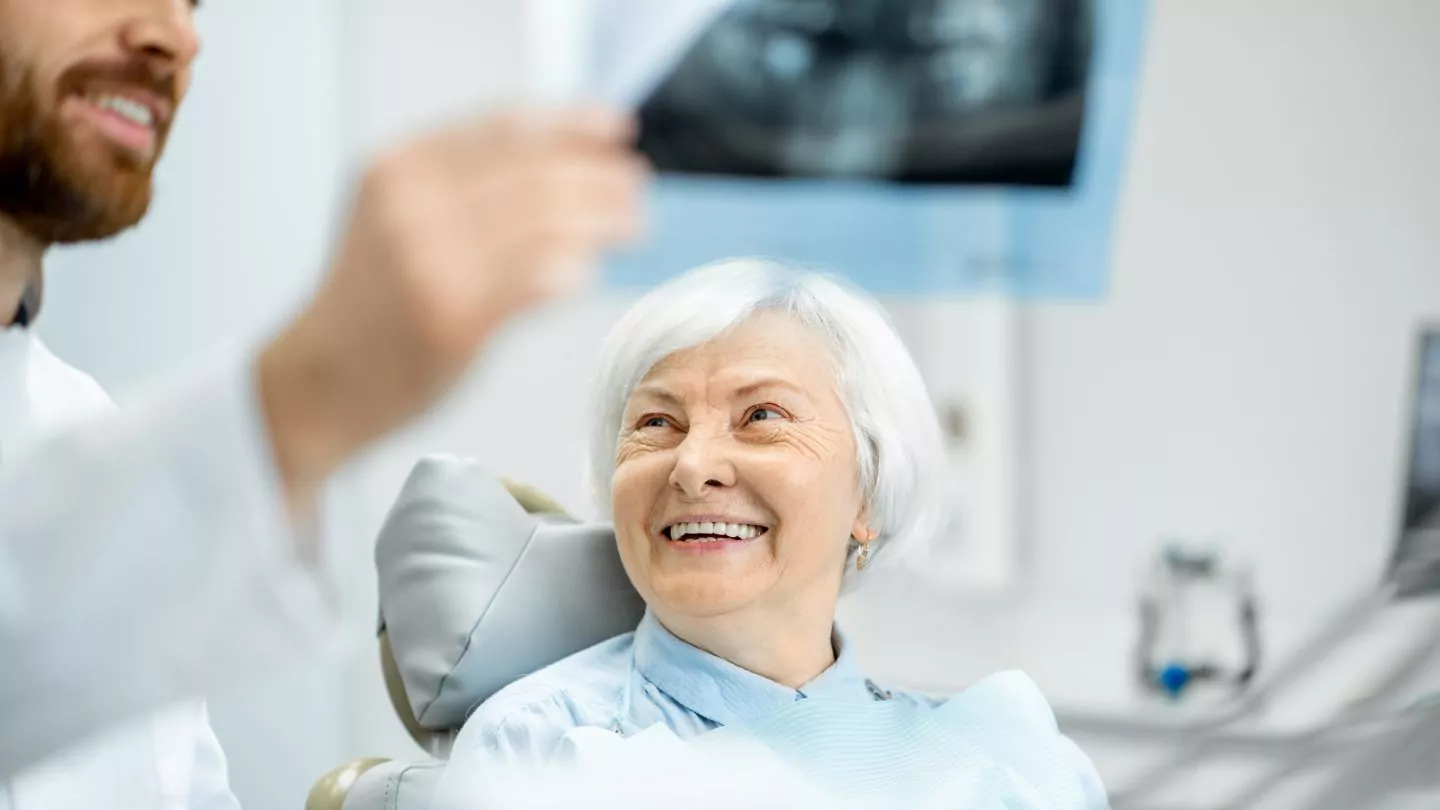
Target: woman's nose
(701, 465)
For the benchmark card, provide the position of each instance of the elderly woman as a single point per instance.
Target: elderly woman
(760, 438)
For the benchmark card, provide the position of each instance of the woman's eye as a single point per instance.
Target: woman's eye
(764, 415)
(654, 422)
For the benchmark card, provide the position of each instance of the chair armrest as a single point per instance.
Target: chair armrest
(330, 790)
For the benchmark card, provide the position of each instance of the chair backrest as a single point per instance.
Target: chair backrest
(533, 501)
(482, 581)
(476, 591)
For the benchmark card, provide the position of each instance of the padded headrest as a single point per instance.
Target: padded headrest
(477, 592)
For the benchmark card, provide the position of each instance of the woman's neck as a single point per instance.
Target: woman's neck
(20, 264)
(789, 649)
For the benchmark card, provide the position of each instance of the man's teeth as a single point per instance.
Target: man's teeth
(709, 532)
(131, 110)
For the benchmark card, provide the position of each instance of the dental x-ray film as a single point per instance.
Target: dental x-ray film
(954, 147)
(963, 92)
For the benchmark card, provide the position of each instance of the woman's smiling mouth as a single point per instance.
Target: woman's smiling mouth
(715, 534)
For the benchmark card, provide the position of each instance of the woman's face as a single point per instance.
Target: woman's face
(736, 486)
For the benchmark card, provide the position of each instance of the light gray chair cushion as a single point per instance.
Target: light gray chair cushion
(476, 593)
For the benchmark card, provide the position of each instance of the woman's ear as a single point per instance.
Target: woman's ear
(862, 531)
(864, 537)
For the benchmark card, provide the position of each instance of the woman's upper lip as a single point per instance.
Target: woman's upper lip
(712, 518)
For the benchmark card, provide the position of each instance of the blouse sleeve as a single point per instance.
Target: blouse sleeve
(500, 737)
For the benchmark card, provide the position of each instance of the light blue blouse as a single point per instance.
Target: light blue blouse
(635, 681)
(644, 678)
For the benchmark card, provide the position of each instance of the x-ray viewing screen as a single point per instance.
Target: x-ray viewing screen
(1416, 567)
(920, 91)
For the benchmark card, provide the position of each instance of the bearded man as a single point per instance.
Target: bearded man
(148, 556)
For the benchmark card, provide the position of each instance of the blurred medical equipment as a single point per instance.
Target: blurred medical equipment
(1194, 600)
(1380, 748)
(1415, 565)
(481, 582)
(1304, 769)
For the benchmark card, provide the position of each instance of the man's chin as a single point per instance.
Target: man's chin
(105, 204)
(98, 232)
(86, 221)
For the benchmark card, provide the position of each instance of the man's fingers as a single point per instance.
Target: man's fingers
(517, 172)
(593, 125)
(567, 188)
(579, 184)
(596, 124)
(580, 232)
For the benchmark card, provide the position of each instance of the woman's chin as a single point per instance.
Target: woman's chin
(701, 594)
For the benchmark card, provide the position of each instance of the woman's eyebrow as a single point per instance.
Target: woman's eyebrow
(755, 385)
(655, 392)
(747, 386)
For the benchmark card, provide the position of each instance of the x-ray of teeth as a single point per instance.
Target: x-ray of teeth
(919, 91)
(1417, 556)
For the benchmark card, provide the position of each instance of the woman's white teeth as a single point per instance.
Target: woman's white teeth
(131, 110)
(707, 532)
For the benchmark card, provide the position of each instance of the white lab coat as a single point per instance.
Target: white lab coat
(145, 558)
(167, 761)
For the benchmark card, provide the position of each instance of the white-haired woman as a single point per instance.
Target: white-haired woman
(760, 437)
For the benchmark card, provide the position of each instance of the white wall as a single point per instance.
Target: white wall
(1245, 377)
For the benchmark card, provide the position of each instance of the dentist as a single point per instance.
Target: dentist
(147, 556)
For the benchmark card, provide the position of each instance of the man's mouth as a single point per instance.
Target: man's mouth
(713, 532)
(127, 108)
(129, 121)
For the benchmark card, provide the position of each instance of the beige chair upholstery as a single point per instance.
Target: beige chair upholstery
(331, 790)
(443, 497)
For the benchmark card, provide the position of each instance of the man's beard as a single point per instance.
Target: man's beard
(52, 185)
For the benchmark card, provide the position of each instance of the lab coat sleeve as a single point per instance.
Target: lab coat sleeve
(146, 557)
(209, 773)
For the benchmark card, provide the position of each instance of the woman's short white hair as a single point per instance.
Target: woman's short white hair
(901, 455)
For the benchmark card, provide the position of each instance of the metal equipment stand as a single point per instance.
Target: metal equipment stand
(1369, 754)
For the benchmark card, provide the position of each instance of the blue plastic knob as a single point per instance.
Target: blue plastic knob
(1173, 679)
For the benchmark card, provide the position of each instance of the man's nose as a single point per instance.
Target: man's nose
(702, 464)
(164, 31)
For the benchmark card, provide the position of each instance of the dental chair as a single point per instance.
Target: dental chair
(482, 581)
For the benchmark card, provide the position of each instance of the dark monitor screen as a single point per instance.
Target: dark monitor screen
(1415, 568)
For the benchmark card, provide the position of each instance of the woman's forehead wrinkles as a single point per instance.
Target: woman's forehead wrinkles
(735, 382)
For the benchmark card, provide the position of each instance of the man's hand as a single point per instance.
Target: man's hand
(450, 236)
